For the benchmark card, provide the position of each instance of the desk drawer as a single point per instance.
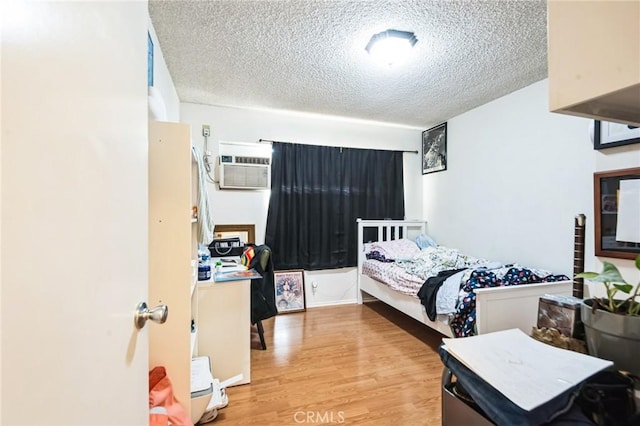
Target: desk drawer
(224, 327)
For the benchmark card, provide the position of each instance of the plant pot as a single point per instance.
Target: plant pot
(615, 337)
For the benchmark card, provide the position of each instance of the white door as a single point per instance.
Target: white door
(74, 250)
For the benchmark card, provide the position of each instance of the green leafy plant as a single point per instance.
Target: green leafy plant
(614, 284)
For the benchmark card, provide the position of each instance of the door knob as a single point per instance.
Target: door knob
(143, 313)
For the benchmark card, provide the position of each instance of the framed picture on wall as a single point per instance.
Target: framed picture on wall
(149, 60)
(617, 213)
(609, 135)
(434, 149)
(289, 288)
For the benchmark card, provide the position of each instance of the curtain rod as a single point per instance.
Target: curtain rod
(401, 150)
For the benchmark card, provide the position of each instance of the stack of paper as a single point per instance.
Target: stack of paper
(526, 371)
(231, 267)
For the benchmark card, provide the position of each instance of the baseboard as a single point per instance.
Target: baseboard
(334, 303)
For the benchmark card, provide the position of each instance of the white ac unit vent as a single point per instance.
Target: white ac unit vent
(240, 172)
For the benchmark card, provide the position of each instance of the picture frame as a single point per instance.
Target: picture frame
(608, 199)
(609, 135)
(246, 232)
(434, 149)
(149, 60)
(289, 288)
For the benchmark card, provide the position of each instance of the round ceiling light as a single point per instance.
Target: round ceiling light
(391, 47)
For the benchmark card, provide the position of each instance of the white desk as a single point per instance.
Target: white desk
(224, 327)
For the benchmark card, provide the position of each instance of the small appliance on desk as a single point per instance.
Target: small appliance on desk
(226, 247)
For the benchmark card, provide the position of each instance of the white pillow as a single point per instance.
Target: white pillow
(402, 249)
(367, 248)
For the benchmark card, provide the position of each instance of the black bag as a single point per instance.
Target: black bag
(221, 247)
(607, 399)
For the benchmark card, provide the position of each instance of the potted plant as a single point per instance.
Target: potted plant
(612, 324)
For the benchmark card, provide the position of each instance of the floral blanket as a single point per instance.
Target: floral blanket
(463, 321)
(432, 260)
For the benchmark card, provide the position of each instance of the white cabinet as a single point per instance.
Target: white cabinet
(594, 59)
(224, 327)
(172, 251)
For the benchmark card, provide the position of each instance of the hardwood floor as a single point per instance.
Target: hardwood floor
(349, 364)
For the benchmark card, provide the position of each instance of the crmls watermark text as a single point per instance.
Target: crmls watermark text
(319, 417)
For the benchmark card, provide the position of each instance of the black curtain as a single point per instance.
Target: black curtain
(318, 192)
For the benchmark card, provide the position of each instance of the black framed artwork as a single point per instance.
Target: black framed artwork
(609, 135)
(434, 149)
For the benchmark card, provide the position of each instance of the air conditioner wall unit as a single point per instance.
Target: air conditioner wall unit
(243, 172)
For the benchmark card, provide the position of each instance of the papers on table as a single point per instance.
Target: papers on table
(526, 371)
(236, 275)
(226, 268)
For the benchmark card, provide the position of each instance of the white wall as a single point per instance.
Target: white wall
(516, 177)
(244, 125)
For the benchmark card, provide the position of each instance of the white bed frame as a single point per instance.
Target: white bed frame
(497, 308)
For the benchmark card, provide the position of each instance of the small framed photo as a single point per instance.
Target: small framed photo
(289, 287)
(434, 149)
(609, 135)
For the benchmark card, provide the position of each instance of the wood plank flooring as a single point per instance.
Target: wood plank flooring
(350, 364)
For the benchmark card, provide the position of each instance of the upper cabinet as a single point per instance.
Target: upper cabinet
(594, 59)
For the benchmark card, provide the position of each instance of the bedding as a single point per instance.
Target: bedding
(393, 250)
(463, 320)
(408, 276)
(403, 266)
(393, 275)
(500, 308)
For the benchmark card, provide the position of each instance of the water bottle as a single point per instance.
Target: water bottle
(204, 268)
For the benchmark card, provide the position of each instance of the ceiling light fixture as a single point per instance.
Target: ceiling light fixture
(391, 47)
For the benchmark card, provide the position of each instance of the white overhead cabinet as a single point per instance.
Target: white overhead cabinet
(594, 59)
(172, 251)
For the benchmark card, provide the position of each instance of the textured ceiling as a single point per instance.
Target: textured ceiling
(309, 56)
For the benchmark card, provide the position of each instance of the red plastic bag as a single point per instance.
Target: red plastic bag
(161, 395)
